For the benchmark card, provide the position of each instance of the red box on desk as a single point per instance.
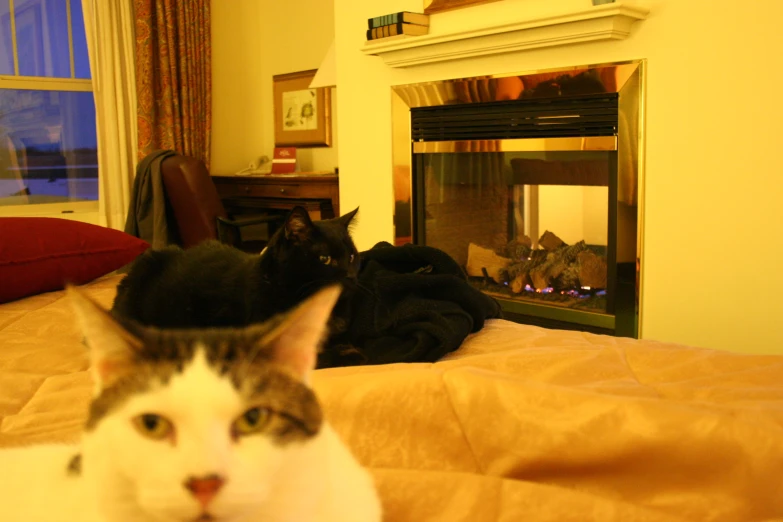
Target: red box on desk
(284, 160)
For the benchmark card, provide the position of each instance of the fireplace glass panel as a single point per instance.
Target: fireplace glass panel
(528, 227)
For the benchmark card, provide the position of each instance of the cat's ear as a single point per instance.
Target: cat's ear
(348, 219)
(298, 225)
(296, 340)
(112, 347)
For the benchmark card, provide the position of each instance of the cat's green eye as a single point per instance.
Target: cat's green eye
(252, 421)
(153, 426)
(327, 260)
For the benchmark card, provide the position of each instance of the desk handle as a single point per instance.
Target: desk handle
(282, 191)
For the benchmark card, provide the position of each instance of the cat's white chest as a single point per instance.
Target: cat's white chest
(36, 485)
(317, 482)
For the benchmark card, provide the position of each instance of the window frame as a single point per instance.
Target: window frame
(48, 83)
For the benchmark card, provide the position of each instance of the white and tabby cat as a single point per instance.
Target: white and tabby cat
(196, 425)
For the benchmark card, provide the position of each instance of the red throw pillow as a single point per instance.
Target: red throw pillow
(43, 254)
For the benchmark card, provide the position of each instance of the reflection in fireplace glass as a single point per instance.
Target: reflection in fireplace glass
(526, 226)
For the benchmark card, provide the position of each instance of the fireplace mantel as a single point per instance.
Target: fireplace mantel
(593, 23)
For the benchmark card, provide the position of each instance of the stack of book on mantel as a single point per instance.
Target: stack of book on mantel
(398, 24)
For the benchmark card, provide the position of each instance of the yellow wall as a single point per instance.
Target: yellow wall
(252, 40)
(714, 191)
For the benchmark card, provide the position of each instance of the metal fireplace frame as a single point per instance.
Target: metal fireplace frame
(628, 81)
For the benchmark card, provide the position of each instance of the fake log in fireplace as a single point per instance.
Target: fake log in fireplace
(531, 182)
(565, 275)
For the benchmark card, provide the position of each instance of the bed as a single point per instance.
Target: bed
(520, 423)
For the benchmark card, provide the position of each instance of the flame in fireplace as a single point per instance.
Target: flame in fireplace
(571, 293)
(547, 290)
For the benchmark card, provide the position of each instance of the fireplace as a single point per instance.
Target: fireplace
(532, 183)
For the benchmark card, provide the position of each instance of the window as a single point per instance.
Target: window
(48, 143)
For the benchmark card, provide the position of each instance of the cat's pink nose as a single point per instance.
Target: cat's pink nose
(204, 488)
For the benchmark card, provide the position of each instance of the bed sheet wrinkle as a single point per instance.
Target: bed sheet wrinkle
(391, 421)
(460, 422)
(7, 319)
(559, 431)
(57, 404)
(478, 498)
(16, 390)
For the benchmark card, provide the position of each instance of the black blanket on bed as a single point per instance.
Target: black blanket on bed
(412, 304)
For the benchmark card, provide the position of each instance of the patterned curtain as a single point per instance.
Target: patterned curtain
(174, 76)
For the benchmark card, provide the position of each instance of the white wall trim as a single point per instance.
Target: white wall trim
(85, 211)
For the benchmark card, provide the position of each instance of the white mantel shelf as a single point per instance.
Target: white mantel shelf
(593, 23)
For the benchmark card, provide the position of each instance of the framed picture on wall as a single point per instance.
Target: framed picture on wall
(436, 6)
(302, 115)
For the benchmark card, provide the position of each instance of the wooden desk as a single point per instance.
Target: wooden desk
(319, 194)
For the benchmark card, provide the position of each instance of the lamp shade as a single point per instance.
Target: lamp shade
(327, 72)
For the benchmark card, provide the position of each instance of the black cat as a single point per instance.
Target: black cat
(215, 285)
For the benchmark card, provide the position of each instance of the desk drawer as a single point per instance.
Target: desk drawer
(286, 190)
(268, 191)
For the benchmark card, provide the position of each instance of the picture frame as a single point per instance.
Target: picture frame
(436, 6)
(303, 116)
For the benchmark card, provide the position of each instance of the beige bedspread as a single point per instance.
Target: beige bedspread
(521, 423)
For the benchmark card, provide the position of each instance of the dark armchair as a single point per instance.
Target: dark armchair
(196, 206)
